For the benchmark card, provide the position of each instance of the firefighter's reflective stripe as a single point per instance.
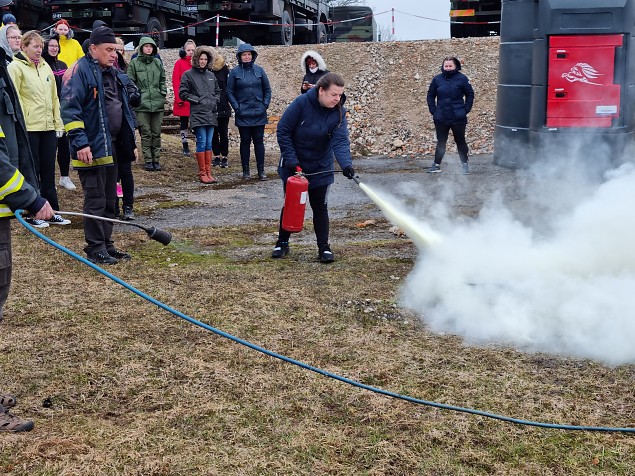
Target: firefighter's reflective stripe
(14, 184)
(78, 164)
(74, 125)
(2, 136)
(5, 211)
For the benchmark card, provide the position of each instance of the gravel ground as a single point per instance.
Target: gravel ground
(234, 202)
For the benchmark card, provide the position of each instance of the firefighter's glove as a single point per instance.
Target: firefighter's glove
(348, 172)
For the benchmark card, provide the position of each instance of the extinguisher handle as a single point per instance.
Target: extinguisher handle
(298, 170)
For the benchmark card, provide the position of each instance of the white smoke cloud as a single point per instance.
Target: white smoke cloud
(563, 285)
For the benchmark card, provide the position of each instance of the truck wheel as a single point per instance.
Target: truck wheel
(155, 30)
(285, 35)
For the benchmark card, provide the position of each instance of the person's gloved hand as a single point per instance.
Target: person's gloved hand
(348, 172)
(135, 98)
(59, 134)
(290, 167)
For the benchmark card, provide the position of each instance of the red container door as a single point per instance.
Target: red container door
(582, 90)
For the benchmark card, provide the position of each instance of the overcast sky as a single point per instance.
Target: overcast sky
(409, 27)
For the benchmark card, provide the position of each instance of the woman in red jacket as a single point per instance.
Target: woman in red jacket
(182, 108)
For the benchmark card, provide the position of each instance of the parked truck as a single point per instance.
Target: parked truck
(265, 22)
(31, 14)
(363, 28)
(165, 20)
(475, 18)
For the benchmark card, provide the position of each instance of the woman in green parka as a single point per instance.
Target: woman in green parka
(148, 74)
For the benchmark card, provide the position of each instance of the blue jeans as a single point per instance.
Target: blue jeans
(204, 135)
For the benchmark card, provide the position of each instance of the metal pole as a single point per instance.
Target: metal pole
(393, 21)
(217, 28)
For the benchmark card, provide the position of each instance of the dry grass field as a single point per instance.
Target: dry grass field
(138, 391)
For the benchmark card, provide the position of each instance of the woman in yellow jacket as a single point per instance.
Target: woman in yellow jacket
(70, 49)
(35, 83)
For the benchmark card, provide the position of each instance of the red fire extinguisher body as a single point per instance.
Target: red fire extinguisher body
(295, 198)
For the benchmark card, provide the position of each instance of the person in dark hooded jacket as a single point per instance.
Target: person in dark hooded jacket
(147, 72)
(313, 67)
(200, 88)
(249, 94)
(220, 141)
(313, 130)
(450, 98)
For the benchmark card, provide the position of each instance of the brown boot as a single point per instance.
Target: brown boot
(208, 166)
(202, 173)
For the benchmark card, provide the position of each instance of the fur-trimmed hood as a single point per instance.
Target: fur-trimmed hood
(211, 56)
(219, 62)
(316, 56)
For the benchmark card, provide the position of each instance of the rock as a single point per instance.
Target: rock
(397, 144)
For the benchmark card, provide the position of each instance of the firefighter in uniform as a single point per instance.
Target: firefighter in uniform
(18, 190)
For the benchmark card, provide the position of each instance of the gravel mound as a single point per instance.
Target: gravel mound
(386, 86)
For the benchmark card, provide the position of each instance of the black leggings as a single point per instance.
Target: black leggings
(63, 155)
(458, 131)
(124, 174)
(318, 199)
(257, 135)
(43, 145)
(220, 141)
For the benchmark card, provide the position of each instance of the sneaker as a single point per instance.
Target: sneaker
(119, 255)
(262, 176)
(128, 214)
(36, 223)
(7, 401)
(58, 220)
(149, 167)
(466, 169)
(12, 423)
(281, 250)
(326, 255)
(67, 184)
(102, 257)
(157, 166)
(223, 163)
(216, 162)
(119, 190)
(434, 169)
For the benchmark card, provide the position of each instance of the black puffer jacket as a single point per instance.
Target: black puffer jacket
(200, 88)
(221, 71)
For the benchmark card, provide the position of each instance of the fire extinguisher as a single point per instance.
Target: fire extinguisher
(295, 197)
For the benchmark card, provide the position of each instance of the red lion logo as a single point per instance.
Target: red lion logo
(582, 72)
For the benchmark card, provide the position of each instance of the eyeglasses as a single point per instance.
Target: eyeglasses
(14, 37)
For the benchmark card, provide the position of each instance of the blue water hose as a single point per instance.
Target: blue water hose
(311, 368)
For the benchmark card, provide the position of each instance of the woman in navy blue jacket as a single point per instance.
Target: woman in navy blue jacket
(454, 98)
(311, 131)
(249, 94)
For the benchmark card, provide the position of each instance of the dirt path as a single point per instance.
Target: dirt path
(233, 202)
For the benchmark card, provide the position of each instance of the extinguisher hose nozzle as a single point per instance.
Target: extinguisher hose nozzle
(357, 180)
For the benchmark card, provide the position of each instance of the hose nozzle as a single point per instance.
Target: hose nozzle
(162, 236)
